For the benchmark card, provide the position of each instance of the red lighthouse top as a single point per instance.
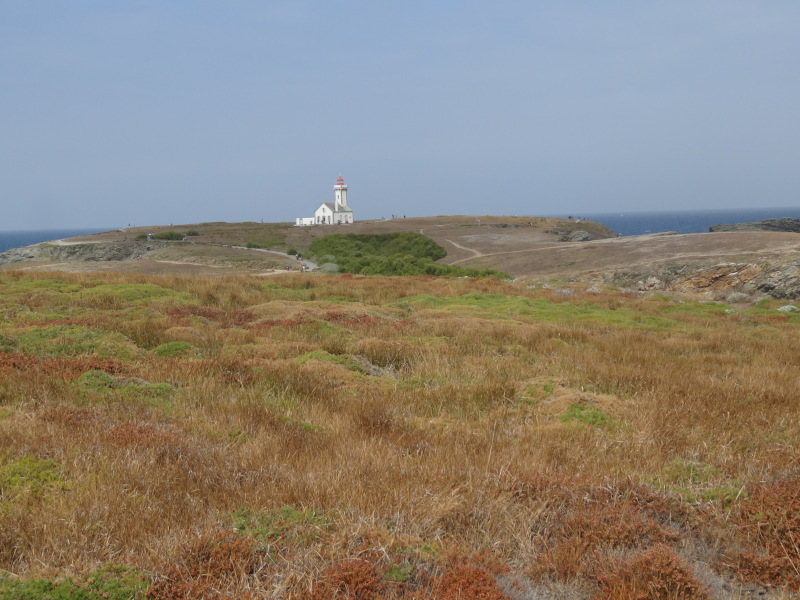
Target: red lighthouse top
(340, 180)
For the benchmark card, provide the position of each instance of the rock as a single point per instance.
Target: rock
(89, 251)
(738, 297)
(652, 282)
(577, 235)
(788, 308)
(784, 224)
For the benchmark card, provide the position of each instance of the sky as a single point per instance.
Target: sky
(146, 113)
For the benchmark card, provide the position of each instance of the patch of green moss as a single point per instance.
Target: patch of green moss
(136, 293)
(100, 382)
(28, 476)
(61, 340)
(399, 573)
(287, 520)
(537, 309)
(7, 343)
(688, 471)
(23, 285)
(171, 349)
(588, 415)
(73, 340)
(107, 583)
(344, 360)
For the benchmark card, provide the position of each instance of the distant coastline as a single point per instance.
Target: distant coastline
(17, 239)
(625, 223)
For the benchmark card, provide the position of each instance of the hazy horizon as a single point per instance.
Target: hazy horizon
(143, 113)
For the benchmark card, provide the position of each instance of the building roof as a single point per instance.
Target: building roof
(332, 207)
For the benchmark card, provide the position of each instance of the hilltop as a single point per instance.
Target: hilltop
(715, 265)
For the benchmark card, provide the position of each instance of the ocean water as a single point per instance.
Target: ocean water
(688, 221)
(16, 239)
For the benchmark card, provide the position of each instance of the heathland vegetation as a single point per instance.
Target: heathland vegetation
(312, 436)
(398, 253)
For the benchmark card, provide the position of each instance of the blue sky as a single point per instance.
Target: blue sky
(117, 113)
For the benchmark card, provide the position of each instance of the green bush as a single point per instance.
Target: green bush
(192, 232)
(405, 253)
(169, 235)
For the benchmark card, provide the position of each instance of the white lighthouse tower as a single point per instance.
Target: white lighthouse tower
(340, 190)
(332, 213)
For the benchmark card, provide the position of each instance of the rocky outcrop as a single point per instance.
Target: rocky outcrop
(575, 235)
(733, 282)
(786, 224)
(53, 251)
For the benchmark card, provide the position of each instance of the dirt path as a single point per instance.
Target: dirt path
(309, 265)
(475, 253)
(66, 243)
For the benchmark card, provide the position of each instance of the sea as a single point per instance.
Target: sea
(17, 239)
(686, 221)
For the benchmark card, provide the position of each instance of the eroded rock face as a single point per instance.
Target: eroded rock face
(577, 235)
(91, 252)
(734, 282)
(786, 224)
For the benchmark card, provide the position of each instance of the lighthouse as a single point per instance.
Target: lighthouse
(332, 213)
(340, 191)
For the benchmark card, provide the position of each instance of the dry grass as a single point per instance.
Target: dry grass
(455, 439)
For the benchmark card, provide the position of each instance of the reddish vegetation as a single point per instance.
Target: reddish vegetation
(354, 578)
(437, 444)
(66, 368)
(468, 580)
(238, 318)
(655, 574)
(214, 565)
(766, 526)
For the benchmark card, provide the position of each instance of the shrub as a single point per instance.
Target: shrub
(469, 582)
(405, 253)
(192, 233)
(168, 235)
(219, 564)
(656, 574)
(350, 578)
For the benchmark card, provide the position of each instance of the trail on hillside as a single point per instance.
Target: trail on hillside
(477, 253)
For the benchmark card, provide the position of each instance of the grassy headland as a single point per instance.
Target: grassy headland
(401, 437)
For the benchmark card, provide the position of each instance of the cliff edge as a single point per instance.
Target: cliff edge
(785, 224)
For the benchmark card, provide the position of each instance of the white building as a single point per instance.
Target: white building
(328, 213)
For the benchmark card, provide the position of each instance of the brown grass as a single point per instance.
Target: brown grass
(442, 440)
